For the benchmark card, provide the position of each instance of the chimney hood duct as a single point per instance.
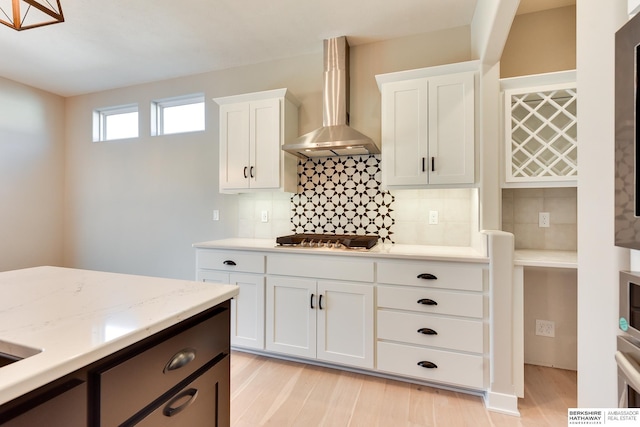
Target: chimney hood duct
(335, 137)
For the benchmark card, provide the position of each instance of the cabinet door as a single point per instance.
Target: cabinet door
(247, 308)
(265, 151)
(345, 323)
(451, 129)
(291, 316)
(66, 409)
(247, 311)
(234, 146)
(404, 132)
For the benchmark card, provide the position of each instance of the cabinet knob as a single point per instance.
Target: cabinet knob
(427, 276)
(229, 262)
(180, 359)
(427, 301)
(427, 364)
(427, 331)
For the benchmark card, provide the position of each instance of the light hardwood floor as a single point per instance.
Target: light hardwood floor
(266, 391)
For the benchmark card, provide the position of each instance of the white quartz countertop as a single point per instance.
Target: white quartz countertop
(381, 250)
(545, 258)
(77, 317)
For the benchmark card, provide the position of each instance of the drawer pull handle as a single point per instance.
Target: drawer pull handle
(427, 301)
(312, 307)
(428, 365)
(427, 276)
(229, 262)
(180, 359)
(170, 411)
(320, 302)
(245, 172)
(427, 331)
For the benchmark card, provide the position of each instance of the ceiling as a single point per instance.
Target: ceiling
(118, 43)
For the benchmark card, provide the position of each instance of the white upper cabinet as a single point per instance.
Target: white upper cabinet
(253, 128)
(540, 133)
(428, 126)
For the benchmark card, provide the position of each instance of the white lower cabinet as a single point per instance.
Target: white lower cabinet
(419, 320)
(458, 369)
(247, 308)
(431, 322)
(326, 320)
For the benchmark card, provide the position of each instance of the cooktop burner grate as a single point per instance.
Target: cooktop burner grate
(329, 240)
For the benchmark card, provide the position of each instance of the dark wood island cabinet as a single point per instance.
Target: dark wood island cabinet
(178, 376)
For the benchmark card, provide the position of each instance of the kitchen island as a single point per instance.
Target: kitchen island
(88, 331)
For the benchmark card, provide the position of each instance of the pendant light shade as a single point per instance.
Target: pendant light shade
(25, 14)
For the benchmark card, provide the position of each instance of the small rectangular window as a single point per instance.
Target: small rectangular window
(113, 123)
(177, 115)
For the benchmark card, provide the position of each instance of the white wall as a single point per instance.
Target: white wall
(137, 206)
(31, 176)
(598, 260)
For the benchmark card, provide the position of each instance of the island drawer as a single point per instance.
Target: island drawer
(427, 300)
(434, 331)
(245, 262)
(460, 276)
(201, 402)
(132, 384)
(466, 370)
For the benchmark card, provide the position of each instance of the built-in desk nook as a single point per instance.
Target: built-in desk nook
(545, 282)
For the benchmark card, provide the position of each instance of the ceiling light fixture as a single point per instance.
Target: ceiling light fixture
(25, 14)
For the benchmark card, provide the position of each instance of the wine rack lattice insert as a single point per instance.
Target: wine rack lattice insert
(543, 134)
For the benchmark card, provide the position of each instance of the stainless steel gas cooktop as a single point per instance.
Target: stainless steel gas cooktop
(340, 241)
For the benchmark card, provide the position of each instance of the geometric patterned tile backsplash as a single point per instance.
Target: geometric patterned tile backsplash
(342, 195)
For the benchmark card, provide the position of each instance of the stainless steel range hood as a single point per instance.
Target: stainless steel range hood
(335, 137)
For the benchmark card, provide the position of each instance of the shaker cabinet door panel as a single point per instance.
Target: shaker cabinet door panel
(404, 132)
(264, 134)
(247, 311)
(291, 316)
(234, 145)
(345, 323)
(451, 129)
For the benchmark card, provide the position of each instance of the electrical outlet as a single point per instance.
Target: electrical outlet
(264, 217)
(433, 217)
(216, 215)
(544, 219)
(546, 328)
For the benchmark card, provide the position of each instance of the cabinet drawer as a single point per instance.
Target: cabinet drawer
(459, 276)
(452, 368)
(436, 331)
(205, 401)
(446, 302)
(333, 267)
(245, 262)
(134, 383)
